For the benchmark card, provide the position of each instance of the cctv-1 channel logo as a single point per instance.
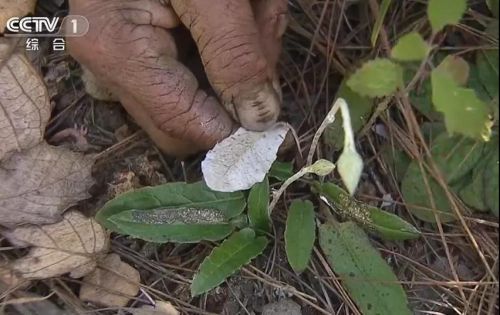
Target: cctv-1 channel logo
(69, 26)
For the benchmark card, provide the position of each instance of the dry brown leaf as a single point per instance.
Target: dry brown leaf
(160, 308)
(24, 101)
(112, 284)
(40, 183)
(9, 8)
(72, 245)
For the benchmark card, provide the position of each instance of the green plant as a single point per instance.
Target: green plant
(186, 213)
(459, 98)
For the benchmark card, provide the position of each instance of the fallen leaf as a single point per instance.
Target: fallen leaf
(111, 284)
(71, 245)
(243, 159)
(24, 102)
(160, 308)
(40, 183)
(19, 8)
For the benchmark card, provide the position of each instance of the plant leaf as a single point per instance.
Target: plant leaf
(182, 225)
(455, 67)
(397, 160)
(421, 192)
(376, 78)
(350, 167)
(230, 256)
(455, 156)
(360, 108)
(472, 189)
(491, 174)
(382, 223)
(300, 234)
(171, 195)
(445, 12)
(487, 65)
(258, 204)
(369, 280)
(464, 112)
(281, 170)
(321, 167)
(410, 47)
(243, 159)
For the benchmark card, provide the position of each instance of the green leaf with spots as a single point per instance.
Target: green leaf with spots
(421, 191)
(300, 234)
(464, 112)
(258, 203)
(180, 225)
(455, 156)
(281, 171)
(172, 195)
(377, 78)
(365, 275)
(381, 223)
(238, 250)
(410, 47)
(456, 68)
(360, 108)
(445, 12)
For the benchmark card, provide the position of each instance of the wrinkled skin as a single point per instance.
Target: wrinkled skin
(131, 50)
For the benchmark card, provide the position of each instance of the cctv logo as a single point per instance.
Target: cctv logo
(32, 25)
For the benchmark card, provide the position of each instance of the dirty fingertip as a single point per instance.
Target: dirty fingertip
(259, 109)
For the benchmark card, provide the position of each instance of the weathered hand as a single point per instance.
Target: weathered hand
(131, 50)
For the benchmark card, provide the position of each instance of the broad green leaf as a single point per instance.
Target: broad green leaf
(410, 47)
(360, 108)
(472, 190)
(238, 250)
(181, 225)
(491, 175)
(281, 170)
(258, 204)
(421, 191)
(172, 195)
(455, 67)
(421, 96)
(384, 224)
(493, 6)
(300, 234)
(464, 112)
(396, 160)
(487, 65)
(455, 156)
(377, 78)
(432, 130)
(367, 277)
(445, 12)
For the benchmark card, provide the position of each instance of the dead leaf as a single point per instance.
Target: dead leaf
(160, 308)
(112, 284)
(24, 101)
(40, 183)
(19, 8)
(243, 159)
(72, 245)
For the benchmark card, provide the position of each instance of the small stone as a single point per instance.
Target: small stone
(283, 307)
